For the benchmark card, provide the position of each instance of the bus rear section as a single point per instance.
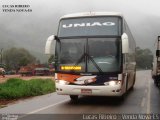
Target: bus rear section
(93, 55)
(156, 63)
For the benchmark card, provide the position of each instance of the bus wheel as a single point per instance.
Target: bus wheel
(126, 85)
(156, 82)
(74, 97)
(134, 79)
(122, 98)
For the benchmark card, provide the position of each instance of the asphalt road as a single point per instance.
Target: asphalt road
(143, 99)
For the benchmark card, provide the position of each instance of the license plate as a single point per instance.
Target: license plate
(86, 91)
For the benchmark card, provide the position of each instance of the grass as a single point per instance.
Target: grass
(16, 88)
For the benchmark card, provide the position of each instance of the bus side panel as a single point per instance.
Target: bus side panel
(129, 61)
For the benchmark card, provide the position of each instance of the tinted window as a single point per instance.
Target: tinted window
(93, 26)
(90, 54)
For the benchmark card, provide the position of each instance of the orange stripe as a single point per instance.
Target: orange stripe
(67, 77)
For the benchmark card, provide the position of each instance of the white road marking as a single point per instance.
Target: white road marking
(35, 111)
(149, 96)
(146, 90)
(143, 102)
(43, 108)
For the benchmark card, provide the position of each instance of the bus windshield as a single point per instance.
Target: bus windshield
(91, 55)
(90, 26)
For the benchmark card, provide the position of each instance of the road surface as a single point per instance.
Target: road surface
(143, 99)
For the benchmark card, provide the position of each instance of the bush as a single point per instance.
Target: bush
(17, 88)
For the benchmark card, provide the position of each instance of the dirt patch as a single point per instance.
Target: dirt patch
(6, 102)
(3, 79)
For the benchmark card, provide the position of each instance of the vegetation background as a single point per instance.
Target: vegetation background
(14, 58)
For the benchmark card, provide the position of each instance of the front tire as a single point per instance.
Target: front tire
(134, 80)
(74, 98)
(156, 82)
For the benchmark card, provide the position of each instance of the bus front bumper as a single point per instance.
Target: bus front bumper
(89, 90)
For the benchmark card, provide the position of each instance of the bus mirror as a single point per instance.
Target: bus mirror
(125, 45)
(158, 53)
(51, 40)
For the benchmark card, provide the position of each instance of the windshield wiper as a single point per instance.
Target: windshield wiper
(92, 60)
(94, 63)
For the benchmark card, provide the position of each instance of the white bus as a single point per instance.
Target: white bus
(94, 55)
(156, 63)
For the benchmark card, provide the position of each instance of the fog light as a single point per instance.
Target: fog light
(118, 90)
(113, 90)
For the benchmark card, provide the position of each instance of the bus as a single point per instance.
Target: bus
(156, 63)
(94, 55)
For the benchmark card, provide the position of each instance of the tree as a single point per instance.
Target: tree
(51, 59)
(14, 58)
(144, 58)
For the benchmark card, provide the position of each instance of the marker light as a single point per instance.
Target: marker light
(70, 67)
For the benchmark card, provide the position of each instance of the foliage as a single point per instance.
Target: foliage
(144, 58)
(17, 88)
(14, 58)
(51, 59)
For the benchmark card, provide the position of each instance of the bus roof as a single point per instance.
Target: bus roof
(87, 14)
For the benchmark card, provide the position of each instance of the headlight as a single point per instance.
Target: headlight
(112, 83)
(62, 82)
